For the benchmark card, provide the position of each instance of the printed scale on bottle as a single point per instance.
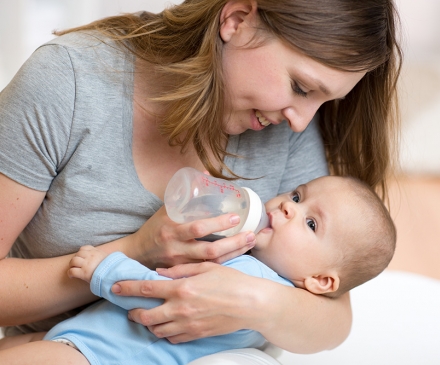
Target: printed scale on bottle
(191, 195)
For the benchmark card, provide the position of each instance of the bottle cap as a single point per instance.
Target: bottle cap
(256, 211)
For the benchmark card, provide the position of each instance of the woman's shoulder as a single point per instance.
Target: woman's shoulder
(82, 40)
(100, 69)
(90, 48)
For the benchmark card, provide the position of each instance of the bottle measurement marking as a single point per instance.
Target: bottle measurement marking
(222, 187)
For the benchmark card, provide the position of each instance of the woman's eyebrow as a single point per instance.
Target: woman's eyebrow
(321, 86)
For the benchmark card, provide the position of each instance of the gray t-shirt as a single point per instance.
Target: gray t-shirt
(66, 128)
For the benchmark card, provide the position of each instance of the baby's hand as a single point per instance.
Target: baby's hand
(84, 263)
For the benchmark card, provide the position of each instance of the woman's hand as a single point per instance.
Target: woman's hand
(211, 300)
(160, 242)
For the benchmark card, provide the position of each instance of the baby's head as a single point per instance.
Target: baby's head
(328, 236)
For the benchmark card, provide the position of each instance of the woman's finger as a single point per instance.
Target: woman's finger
(221, 250)
(161, 325)
(186, 270)
(148, 317)
(162, 289)
(232, 254)
(172, 330)
(204, 227)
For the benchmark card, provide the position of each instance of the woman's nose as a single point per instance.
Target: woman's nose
(300, 118)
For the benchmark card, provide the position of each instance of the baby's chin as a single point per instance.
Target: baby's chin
(263, 238)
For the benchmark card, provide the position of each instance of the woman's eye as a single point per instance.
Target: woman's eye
(311, 223)
(297, 90)
(295, 197)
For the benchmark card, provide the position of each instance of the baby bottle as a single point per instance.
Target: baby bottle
(191, 195)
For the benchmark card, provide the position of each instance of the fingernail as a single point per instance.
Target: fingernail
(250, 238)
(235, 219)
(130, 318)
(116, 288)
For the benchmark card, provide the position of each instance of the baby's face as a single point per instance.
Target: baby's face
(306, 228)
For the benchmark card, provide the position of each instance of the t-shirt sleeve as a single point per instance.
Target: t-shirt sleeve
(36, 111)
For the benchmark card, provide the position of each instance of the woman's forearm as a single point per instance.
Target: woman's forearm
(35, 289)
(301, 322)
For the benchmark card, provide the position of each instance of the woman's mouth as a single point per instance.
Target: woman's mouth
(263, 121)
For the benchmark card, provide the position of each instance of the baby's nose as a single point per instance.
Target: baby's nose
(288, 209)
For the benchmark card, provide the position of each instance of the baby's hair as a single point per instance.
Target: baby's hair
(372, 248)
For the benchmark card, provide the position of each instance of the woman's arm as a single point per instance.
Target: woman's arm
(214, 300)
(35, 289)
(302, 322)
(31, 289)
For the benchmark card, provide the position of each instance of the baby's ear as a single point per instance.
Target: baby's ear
(321, 284)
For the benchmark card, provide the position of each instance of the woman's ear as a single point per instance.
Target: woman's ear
(234, 14)
(321, 284)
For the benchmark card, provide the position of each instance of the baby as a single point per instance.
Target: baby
(327, 237)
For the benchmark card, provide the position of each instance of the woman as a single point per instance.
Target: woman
(98, 120)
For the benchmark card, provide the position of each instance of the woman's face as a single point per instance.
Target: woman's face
(275, 82)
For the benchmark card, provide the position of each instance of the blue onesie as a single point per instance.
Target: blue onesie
(105, 336)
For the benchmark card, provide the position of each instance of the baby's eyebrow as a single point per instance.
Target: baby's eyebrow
(302, 187)
(321, 214)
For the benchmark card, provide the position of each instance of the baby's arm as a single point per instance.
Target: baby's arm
(85, 262)
(102, 271)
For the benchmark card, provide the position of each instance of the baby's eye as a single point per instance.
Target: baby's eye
(311, 223)
(295, 197)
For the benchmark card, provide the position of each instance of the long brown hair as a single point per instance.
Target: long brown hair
(360, 131)
(183, 44)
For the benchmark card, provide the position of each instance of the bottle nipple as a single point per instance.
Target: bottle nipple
(257, 218)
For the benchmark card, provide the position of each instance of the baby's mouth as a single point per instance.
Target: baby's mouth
(270, 216)
(263, 121)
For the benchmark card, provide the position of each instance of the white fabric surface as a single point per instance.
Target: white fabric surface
(237, 357)
(396, 322)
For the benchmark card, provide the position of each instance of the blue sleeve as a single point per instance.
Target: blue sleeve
(118, 267)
